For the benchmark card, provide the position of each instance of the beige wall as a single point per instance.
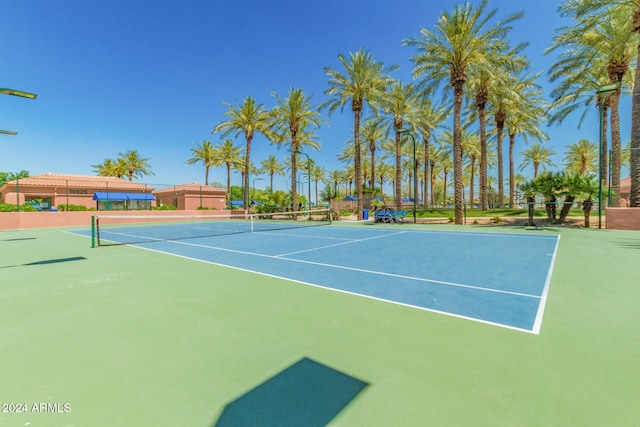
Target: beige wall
(18, 220)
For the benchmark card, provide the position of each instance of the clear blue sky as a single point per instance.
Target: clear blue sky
(151, 76)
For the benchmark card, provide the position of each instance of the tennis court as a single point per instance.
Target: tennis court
(170, 333)
(495, 278)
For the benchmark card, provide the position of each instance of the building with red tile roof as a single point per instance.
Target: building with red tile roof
(52, 189)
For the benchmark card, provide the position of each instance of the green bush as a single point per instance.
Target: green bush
(71, 207)
(164, 208)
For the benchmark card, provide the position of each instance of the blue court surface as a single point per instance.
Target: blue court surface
(496, 278)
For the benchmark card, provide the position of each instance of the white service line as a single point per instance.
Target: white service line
(337, 244)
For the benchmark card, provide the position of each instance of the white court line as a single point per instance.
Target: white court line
(446, 313)
(537, 324)
(360, 270)
(337, 244)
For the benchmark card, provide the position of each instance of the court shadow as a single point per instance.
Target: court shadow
(307, 393)
(15, 240)
(629, 243)
(46, 261)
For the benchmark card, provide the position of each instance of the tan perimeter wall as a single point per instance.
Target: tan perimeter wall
(17, 220)
(623, 218)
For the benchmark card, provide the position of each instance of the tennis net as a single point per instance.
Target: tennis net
(123, 229)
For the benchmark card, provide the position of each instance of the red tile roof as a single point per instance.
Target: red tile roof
(81, 181)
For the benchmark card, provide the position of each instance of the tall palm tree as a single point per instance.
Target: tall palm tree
(428, 117)
(398, 103)
(607, 45)
(582, 157)
(484, 80)
(458, 41)
(228, 154)
(525, 119)
(536, 155)
(364, 82)
(271, 166)
(318, 173)
(247, 118)
(291, 117)
(135, 165)
(597, 11)
(203, 153)
(372, 132)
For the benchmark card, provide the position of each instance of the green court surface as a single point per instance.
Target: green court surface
(120, 336)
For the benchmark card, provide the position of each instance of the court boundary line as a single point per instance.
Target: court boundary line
(360, 270)
(315, 285)
(537, 324)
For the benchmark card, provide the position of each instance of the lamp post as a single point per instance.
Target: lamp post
(254, 186)
(308, 175)
(603, 92)
(7, 91)
(415, 170)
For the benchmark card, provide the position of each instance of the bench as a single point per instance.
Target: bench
(389, 215)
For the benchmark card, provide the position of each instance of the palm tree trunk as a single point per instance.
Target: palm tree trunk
(512, 142)
(634, 196)
(615, 149)
(458, 184)
(482, 115)
(245, 178)
(604, 153)
(228, 196)
(372, 148)
(471, 182)
(500, 119)
(358, 160)
(398, 183)
(425, 179)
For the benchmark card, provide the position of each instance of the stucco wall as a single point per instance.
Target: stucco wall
(17, 220)
(623, 218)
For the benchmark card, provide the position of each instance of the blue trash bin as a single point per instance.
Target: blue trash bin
(365, 214)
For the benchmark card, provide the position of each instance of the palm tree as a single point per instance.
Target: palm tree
(607, 45)
(582, 157)
(525, 119)
(484, 80)
(536, 155)
(110, 167)
(271, 166)
(398, 103)
(226, 153)
(203, 153)
(472, 149)
(365, 80)
(427, 118)
(248, 118)
(135, 165)
(457, 42)
(291, 117)
(318, 173)
(372, 132)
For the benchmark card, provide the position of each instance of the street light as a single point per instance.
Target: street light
(308, 175)
(415, 171)
(7, 91)
(603, 92)
(254, 186)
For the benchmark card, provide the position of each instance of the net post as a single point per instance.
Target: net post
(93, 231)
(251, 223)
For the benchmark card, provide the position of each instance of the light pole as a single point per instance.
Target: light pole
(254, 186)
(415, 170)
(308, 175)
(603, 92)
(7, 91)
